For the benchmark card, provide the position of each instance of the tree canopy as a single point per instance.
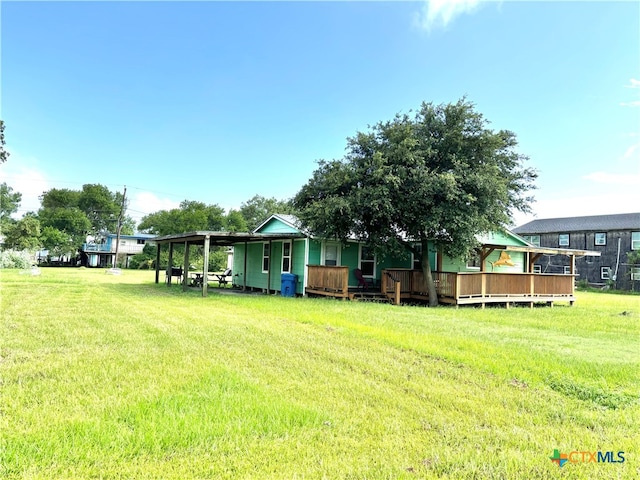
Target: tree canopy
(9, 202)
(258, 208)
(189, 217)
(439, 176)
(68, 216)
(4, 155)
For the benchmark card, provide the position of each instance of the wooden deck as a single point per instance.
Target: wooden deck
(471, 288)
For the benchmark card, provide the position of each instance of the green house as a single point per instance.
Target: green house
(501, 271)
(265, 260)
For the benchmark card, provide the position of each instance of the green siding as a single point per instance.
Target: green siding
(256, 278)
(299, 264)
(349, 258)
(519, 258)
(314, 252)
(498, 238)
(277, 226)
(452, 265)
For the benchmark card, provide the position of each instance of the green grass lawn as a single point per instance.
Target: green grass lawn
(107, 376)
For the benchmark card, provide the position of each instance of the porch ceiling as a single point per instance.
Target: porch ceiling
(223, 238)
(544, 250)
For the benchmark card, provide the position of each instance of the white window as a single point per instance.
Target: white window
(605, 273)
(533, 239)
(600, 239)
(331, 254)
(537, 269)
(286, 257)
(266, 253)
(635, 240)
(474, 262)
(563, 240)
(589, 259)
(567, 270)
(367, 261)
(635, 273)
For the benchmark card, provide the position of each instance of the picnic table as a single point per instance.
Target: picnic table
(196, 279)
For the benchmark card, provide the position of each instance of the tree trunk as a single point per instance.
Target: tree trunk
(426, 271)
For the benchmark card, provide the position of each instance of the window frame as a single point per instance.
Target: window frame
(286, 257)
(533, 239)
(605, 273)
(537, 268)
(635, 241)
(603, 236)
(371, 261)
(474, 262)
(561, 236)
(566, 269)
(323, 253)
(266, 257)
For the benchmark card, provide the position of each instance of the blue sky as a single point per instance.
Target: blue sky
(217, 101)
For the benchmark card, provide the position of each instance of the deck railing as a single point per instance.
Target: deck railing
(329, 279)
(477, 284)
(464, 287)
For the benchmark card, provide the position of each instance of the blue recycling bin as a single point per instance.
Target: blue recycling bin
(288, 284)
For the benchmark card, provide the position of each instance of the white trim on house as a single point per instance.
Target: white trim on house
(266, 244)
(375, 262)
(323, 251)
(290, 243)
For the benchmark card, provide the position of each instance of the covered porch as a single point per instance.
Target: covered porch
(206, 239)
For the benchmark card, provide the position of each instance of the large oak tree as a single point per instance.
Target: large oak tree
(439, 176)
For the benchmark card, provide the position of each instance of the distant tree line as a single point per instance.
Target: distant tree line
(67, 217)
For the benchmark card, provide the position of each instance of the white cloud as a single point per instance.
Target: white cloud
(633, 83)
(632, 152)
(143, 203)
(23, 176)
(634, 103)
(614, 178)
(442, 12)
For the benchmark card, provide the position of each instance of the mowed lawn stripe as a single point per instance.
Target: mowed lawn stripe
(120, 378)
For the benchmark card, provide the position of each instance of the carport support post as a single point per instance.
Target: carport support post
(205, 273)
(170, 266)
(158, 263)
(185, 269)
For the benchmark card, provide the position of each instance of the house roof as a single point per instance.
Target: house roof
(223, 238)
(146, 236)
(601, 223)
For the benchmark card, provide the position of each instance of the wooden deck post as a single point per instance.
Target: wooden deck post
(396, 299)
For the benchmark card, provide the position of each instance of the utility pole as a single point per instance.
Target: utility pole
(122, 207)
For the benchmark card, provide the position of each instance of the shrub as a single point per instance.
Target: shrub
(16, 259)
